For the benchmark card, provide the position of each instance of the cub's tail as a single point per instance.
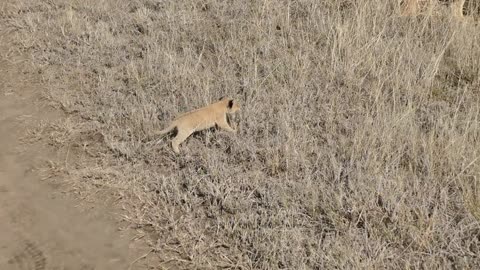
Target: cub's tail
(161, 133)
(170, 128)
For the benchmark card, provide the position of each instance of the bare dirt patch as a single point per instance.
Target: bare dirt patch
(40, 227)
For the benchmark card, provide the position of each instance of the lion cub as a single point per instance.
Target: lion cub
(212, 115)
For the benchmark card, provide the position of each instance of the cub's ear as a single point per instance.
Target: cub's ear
(230, 103)
(222, 98)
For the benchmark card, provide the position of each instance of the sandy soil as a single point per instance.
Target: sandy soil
(41, 228)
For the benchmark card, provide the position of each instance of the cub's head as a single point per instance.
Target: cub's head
(232, 105)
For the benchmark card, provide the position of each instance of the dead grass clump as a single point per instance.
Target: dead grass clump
(358, 142)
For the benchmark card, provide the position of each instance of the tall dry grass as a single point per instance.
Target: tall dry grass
(358, 143)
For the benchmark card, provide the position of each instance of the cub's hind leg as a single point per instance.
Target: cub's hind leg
(182, 135)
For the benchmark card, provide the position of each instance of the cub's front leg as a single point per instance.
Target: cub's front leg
(223, 124)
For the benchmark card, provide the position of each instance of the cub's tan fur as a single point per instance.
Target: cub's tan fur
(212, 115)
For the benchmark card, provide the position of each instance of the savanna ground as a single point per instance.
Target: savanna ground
(357, 145)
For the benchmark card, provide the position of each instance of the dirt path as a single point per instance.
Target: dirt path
(39, 227)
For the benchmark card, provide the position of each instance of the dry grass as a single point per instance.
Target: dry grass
(358, 144)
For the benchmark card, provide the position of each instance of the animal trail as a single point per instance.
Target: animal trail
(30, 257)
